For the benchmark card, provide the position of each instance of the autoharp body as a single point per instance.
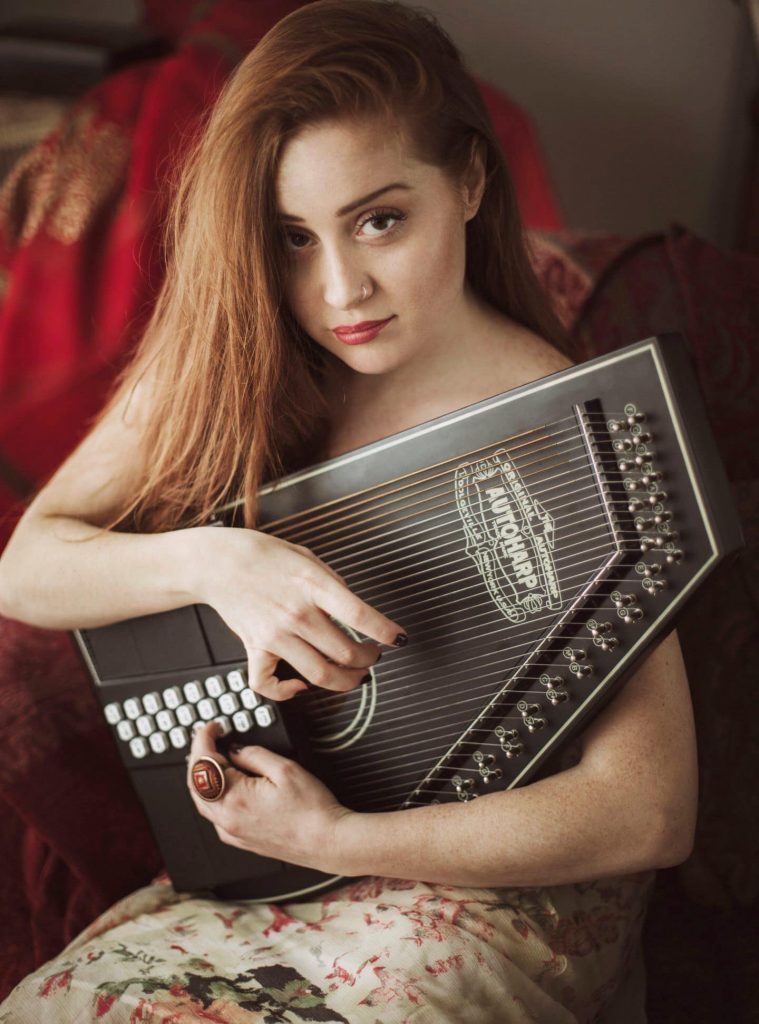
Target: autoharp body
(534, 545)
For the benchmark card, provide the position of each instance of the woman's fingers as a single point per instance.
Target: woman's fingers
(310, 664)
(262, 678)
(342, 604)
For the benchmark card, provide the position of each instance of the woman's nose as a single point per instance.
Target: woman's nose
(342, 278)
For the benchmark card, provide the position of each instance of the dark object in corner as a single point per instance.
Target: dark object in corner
(54, 58)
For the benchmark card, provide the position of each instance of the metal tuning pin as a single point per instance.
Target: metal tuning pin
(510, 742)
(656, 497)
(648, 543)
(651, 478)
(620, 600)
(648, 570)
(632, 414)
(630, 615)
(625, 465)
(635, 505)
(580, 670)
(652, 587)
(485, 766)
(639, 435)
(643, 456)
(549, 681)
(531, 719)
(599, 628)
(574, 654)
(673, 554)
(556, 696)
(641, 523)
(464, 788)
(622, 445)
(616, 425)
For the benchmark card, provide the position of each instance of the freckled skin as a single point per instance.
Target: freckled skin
(413, 269)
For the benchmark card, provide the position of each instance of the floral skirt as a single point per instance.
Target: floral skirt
(376, 951)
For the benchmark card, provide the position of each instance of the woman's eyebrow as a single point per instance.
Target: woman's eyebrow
(356, 202)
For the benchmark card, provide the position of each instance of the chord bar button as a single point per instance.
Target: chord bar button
(193, 691)
(264, 715)
(172, 697)
(242, 721)
(138, 747)
(236, 680)
(166, 720)
(113, 713)
(178, 737)
(186, 715)
(125, 730)
(208, 709)
(215, 686)
(152, 703)
(133, 707)
(158, 743)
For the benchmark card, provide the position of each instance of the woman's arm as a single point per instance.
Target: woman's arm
(629, 805)
(60, 570)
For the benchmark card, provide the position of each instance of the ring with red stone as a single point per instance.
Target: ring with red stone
(208, 779)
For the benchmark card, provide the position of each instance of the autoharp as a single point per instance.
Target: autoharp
(534, 545)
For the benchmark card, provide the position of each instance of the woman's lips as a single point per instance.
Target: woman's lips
(357, 334)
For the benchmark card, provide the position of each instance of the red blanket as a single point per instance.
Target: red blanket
(80, 228)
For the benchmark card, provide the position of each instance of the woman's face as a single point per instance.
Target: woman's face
(373, 235)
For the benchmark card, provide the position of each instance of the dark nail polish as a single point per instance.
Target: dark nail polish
(367, 678)
(401, 640)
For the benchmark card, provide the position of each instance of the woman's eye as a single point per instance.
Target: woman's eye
(292, 238)
(379, 219)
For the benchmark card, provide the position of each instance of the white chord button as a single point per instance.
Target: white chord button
(193, 691)
(242, 721)
(229, 703)
(197, 726)
(166, 720)
(132, 707)
(113, 713)
(249, 699)
(226, 725)
(158, 743)
(215, 686)
(264, 715)
(173, 697)
(186, 714)
(152, 702)
(145, 725)
(125, 729)
(138, 747)
(208, 709)
(178, 737)
(236, 680)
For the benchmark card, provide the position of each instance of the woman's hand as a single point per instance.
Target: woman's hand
(271, 806)
(278, 598)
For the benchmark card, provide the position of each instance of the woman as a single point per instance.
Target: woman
(347, 262)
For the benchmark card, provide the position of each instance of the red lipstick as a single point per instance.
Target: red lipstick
(357, 334)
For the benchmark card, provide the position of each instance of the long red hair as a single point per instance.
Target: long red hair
(238, 397)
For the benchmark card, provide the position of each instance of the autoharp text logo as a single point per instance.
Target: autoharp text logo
(509, 535)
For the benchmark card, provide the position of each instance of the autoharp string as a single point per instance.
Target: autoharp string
(331, 555)
(516, 639)
(401, 498)
(368, 494)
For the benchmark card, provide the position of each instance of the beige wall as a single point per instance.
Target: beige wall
(641, 106)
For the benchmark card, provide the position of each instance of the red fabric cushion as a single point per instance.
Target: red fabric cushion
(80, 226)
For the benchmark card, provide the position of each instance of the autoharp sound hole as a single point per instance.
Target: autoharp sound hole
(479, 558)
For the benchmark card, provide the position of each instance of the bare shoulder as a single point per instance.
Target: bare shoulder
(531, 357)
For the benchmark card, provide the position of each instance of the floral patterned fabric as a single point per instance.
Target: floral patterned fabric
(376, 951)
